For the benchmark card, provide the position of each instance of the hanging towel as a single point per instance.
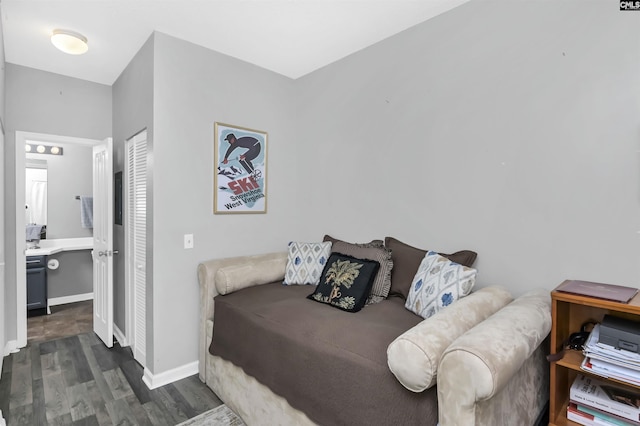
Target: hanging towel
(33, 232)
(86, 211)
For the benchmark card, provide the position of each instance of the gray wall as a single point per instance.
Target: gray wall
(43, 102)
(132, 112)
(509, 128)
(68, 175)
(74, 275)
(195, 87)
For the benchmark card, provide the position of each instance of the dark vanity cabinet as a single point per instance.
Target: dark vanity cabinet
(36, 282)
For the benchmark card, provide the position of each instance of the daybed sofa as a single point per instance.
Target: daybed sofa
(279, 358)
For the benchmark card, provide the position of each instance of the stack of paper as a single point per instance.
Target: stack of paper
(607, 361)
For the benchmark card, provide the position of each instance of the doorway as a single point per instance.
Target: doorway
(22, 138)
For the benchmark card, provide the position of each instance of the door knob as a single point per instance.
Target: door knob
(102, 253)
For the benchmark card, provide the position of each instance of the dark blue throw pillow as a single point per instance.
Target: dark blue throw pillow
(345, 282)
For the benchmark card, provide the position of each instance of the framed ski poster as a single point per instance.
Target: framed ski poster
(240, 170)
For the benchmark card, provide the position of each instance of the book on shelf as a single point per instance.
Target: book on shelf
(585, 419)
(616, 293)
(611, 418)
(608, 371)
(604, 396)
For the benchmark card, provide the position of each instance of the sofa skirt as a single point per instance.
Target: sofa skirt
(250, 399)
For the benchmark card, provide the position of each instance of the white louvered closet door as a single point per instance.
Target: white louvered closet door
(137, 241)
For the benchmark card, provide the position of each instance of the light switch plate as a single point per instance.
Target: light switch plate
(188, 241)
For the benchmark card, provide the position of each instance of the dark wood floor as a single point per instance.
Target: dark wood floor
(77, 380)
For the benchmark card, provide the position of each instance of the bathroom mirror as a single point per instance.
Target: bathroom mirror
(36, 192)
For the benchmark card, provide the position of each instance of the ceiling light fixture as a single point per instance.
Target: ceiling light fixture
(69, 42)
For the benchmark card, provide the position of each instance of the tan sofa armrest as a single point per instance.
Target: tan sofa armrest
(237, 272)
(413, 357)
(482, 361)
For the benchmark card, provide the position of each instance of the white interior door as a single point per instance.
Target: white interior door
(103, 241)
(136, 240)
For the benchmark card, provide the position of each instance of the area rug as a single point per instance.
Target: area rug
(219, 416)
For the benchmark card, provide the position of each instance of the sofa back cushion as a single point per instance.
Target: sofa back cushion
(407, 259)
(413, 357)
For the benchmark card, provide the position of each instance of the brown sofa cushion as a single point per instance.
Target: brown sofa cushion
(373, 243)
(374, 250)
(406, 261)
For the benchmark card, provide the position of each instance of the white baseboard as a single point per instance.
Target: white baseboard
(119, 335)
(11, 347)
(70, 299)
(156, 380)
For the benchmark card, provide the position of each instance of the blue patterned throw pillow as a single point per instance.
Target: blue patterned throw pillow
(305, 262)
(438, 283)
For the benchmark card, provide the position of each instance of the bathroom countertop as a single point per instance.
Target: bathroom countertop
(48, 247)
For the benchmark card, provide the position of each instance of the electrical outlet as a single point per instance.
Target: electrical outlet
(188, 241)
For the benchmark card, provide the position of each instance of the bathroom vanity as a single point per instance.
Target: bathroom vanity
(39, 277)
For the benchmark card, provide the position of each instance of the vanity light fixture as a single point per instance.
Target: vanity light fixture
(43, 149)
(69, 42)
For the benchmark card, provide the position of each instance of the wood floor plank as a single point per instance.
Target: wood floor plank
(5, 387)
(22, 415)
(101, 383)
(22, 358)
(157, 414)
(83, 371)
(36, 365)
(80, 402)
(50, 364)
(21, 386)
(55, 397)
(63, 420)
(180, 401)
(87, 421)
(105, 359)
(48, 347)
(133, 373)
(7, 363)
(140, 414)
(163, 399)
(67, 366)
(39, 405)
(118, 383)
(120, 413)
(101, 413)
(197, 394)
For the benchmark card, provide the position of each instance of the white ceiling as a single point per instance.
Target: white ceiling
(290, 37)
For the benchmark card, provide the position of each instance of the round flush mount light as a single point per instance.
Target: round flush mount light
(41, 149)
(69, 42)
(27, 148)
